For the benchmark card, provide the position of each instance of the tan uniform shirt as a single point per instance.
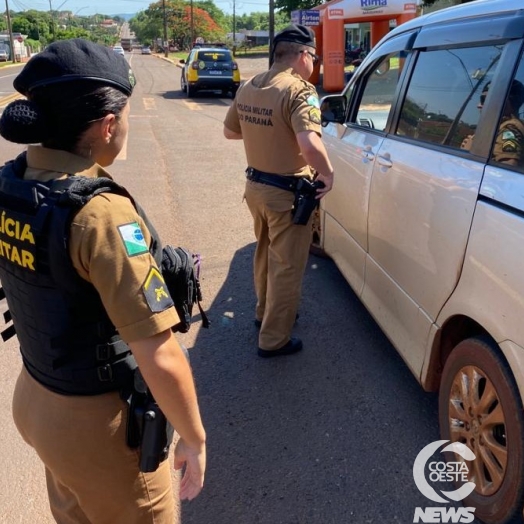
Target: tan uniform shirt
(269, 110)
(99, 251)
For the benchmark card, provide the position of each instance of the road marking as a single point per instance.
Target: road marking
(149, 104)
(192, 105)
(10, 98)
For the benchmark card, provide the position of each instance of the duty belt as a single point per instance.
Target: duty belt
(289, 182)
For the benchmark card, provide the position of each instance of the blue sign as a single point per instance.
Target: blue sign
(307, 17)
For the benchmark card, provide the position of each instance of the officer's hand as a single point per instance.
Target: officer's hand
(328, 184)
(195, 462)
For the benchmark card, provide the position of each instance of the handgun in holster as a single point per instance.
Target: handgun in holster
(147, 428)
(305, 201)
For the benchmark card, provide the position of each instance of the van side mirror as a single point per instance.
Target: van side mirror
(333, 109)
(182, 61)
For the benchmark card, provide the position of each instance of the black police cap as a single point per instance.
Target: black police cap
(299, 34)
(74, 60)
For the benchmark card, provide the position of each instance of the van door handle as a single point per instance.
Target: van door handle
(367, 154)
(384, 161)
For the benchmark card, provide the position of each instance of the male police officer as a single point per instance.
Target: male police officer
(277, 115)
(509, 142)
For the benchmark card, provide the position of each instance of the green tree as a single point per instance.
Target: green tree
(36, 25)
(294, 5)
(146, 27)
(77, 32)
(260, 21)
(149, 24)
(215, 13)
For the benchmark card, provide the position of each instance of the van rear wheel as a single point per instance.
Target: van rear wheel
(480, 406)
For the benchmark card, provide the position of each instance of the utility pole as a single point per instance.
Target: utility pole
(10, 31)
(271, 29)
(234, 30)
(166, 43)
(52, 20)
(192, 25)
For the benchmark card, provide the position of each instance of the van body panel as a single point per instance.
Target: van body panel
(491, 287)
(399, 316)
(351, 152)
(346, 252)
(515, 356)
(419, 220)
(504, 187)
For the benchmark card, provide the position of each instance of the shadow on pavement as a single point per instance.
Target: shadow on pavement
(325, 436)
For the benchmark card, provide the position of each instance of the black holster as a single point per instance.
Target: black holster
(147, 427)
(305, 201)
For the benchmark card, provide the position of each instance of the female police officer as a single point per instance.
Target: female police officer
(79, 266)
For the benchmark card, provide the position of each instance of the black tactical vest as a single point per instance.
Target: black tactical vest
(67, 341)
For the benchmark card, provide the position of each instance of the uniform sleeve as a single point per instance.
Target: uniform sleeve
(509, 142)
(109, 248)
(232, 121)
(305, 109)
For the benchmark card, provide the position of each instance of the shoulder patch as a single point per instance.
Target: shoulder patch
(155, 291)
(314, 115)
(133, 239)
(508, 135)
(312, 100)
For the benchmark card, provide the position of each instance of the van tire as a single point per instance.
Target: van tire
(476, 369)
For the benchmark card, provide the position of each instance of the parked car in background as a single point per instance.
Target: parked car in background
(119, 50)
(426, 223)
(4, 55)
(209, 67)
(145, 50)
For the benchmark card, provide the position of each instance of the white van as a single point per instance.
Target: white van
(426, 222)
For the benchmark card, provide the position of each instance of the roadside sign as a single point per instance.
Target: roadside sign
(308, 17)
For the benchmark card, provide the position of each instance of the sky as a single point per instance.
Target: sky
(114, 7)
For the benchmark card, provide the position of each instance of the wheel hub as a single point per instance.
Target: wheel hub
(475, 429)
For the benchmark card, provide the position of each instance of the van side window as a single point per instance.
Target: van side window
(442, 100)
(379, 93)
(508, 146)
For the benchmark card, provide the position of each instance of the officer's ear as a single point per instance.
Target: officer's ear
(107, 127)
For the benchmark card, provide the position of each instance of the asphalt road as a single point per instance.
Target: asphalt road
(327, 436)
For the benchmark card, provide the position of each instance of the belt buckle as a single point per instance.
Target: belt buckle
(105, 373)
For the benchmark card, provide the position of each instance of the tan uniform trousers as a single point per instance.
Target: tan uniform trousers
(92, 476)
(280, 260)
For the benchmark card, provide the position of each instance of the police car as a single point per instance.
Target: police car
(209, 67)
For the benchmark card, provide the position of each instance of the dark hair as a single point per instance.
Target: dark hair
(285, 50)
(58, 115)
(516, 94)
